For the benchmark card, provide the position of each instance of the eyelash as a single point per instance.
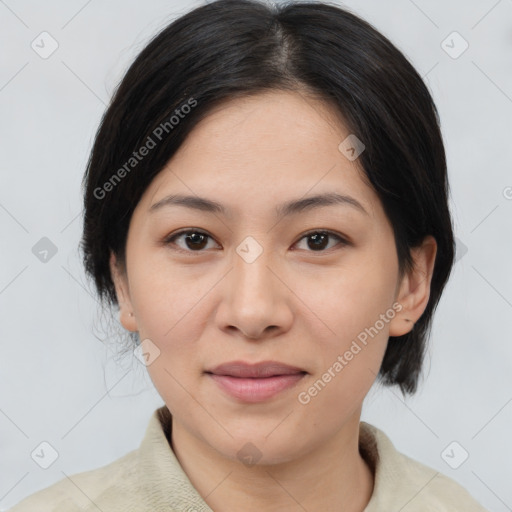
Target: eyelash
(169, 240)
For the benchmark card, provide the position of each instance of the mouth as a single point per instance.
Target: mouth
(255, 382)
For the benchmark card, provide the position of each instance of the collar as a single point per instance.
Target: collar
(160, 473)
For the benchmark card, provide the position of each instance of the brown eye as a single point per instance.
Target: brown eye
(195, 241)
(318, 241)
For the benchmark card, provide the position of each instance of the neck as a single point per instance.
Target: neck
(331, 477)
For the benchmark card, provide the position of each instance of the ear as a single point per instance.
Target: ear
(126, 315)
(414, 290)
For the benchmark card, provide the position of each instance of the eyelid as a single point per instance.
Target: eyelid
(343, 240)
(168, 240)
(325, 232)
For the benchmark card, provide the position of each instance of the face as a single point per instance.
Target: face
(314, 287)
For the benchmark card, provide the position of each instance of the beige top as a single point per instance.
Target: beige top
(150, 479)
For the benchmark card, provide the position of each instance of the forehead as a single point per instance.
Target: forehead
(272, 121)
(261, 150)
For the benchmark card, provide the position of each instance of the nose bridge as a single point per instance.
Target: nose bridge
(253, 299)
(252, 277)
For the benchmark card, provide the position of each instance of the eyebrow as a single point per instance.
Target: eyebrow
(282, 210)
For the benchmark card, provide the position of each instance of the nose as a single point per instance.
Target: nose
(255, 300)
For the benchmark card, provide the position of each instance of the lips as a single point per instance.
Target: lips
(253, 383)
(264, 369)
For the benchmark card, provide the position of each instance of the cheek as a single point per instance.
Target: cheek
(357, 305)
(348, 361)
(352, 298)
(171, 307)
(167, 300)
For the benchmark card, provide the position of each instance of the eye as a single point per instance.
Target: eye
(195, 240)
(319, 240)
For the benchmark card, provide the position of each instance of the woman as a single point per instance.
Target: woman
(266, 202)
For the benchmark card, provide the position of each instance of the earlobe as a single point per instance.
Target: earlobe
(414, 291)
(126, 316)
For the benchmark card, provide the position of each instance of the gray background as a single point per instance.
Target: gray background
(60, 384)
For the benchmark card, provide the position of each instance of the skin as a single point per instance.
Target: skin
(293, 304)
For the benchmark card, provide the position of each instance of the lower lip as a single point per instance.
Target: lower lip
(256, 390)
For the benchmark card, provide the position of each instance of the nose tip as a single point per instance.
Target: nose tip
(255, 303)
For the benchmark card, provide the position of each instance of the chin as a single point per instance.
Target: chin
(260, 449)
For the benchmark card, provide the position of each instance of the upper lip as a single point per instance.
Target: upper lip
(263, 369)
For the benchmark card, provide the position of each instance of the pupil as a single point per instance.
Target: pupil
(196, 238)
(317, 239)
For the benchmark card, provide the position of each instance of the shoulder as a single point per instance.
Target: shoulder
(83, 492)
(148, 478)
(406, 484)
